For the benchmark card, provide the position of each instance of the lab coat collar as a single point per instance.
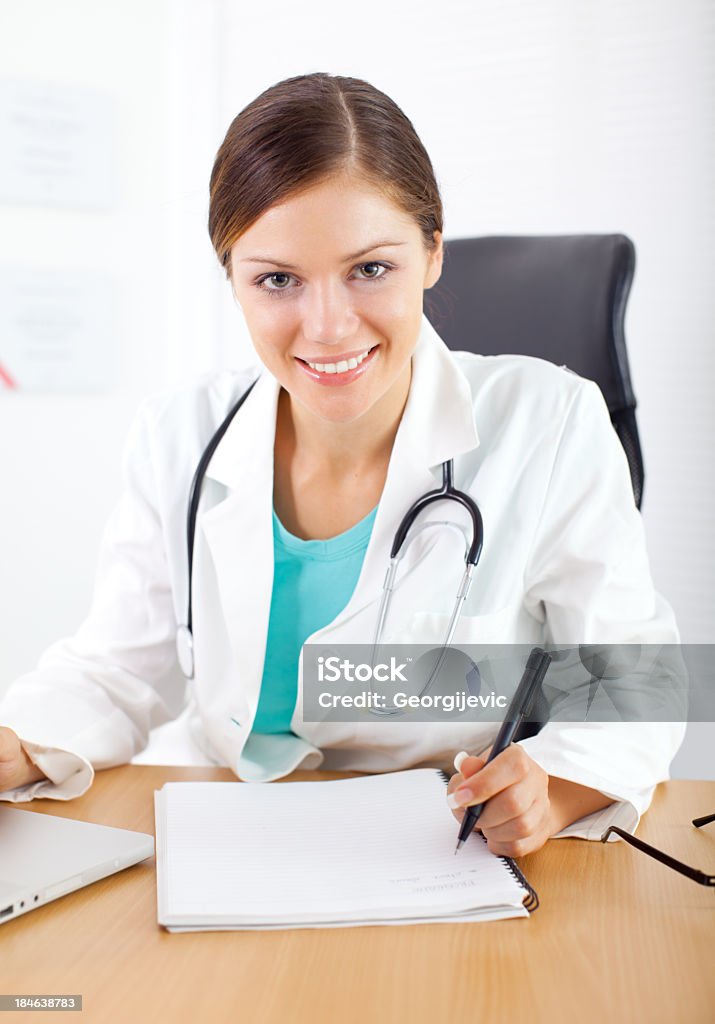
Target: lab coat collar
(245, 452)
(437, 423)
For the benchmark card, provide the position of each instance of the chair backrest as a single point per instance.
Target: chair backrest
(560, 297)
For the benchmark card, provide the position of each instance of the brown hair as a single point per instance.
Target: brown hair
(308, 128)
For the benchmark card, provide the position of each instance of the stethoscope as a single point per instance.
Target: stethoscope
(447, 492)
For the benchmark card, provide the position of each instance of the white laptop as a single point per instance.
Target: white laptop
(43, 857)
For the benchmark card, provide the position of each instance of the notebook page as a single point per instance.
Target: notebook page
(373, 847)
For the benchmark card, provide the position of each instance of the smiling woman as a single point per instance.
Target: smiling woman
(326, 217)
(339, 342)
(316, 174)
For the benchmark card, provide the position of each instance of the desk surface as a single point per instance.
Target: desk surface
(618, 937)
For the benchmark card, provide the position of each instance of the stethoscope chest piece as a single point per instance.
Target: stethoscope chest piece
(185, 651)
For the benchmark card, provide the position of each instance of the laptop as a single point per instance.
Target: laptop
(43, 857)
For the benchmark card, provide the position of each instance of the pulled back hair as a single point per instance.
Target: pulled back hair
(306, 129)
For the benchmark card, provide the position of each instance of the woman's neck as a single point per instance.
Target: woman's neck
(328, 476)
(340, 450)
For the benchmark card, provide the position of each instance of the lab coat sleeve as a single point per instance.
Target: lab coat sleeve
(92, 700)
(588, 577)
(67, 774)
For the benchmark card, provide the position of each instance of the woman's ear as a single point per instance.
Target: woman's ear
(434, 262)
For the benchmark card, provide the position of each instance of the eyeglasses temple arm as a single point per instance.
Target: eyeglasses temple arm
(697, 876)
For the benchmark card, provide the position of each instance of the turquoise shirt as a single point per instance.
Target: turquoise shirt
(313, 581)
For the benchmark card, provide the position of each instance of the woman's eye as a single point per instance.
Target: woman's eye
(380, 267)
(272, 277)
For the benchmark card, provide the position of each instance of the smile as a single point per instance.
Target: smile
(342, 366)
(341, 371)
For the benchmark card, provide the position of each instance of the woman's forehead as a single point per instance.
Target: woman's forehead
(345, 220)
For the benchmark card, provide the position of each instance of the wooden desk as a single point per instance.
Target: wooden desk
(618, 938)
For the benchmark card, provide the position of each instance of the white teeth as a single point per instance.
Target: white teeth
(342, 366)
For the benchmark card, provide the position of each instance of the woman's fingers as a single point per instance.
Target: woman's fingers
(468, 764)
(507, 768)
(473, 762)
(9, 745)
(515, 790)
(510, 805)
(13, 761)
(525, 823)
(518, 847)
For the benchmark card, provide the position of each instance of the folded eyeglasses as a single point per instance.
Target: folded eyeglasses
(697, 876)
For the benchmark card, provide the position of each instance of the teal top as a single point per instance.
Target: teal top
(313, 580)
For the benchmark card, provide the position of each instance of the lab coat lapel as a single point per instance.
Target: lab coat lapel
(239, 533)
(437, 424)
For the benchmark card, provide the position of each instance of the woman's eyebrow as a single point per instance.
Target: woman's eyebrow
(346, 259)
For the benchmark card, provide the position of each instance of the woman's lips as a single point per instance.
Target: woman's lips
(333, 380)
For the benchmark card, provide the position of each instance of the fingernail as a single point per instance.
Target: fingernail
(458, 798)
(459, 759)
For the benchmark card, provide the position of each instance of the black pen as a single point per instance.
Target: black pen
(536, 666)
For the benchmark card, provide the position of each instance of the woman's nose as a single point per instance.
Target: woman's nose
(328, 314)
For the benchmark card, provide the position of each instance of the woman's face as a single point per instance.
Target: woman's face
(331, 284)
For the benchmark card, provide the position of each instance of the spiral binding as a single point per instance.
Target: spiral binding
(531, 902)
(532, 897)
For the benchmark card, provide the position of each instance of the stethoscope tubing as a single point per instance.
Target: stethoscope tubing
(184, 634)
(447, 492)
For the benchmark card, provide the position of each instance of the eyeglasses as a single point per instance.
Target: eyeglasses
(697, 876)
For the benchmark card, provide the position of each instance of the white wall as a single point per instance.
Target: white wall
(60, 454)
(540, 116)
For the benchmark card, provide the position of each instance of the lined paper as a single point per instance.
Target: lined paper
(377, 849)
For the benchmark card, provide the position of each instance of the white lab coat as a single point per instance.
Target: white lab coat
(564, 561)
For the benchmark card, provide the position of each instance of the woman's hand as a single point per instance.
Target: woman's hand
(526, 806)
(517, 819)
(16, 768)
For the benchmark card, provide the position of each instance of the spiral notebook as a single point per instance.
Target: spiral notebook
(365, 851)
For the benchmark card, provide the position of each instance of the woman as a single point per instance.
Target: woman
(327, 219)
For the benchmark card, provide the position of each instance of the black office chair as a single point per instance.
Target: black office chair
(560, 297)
